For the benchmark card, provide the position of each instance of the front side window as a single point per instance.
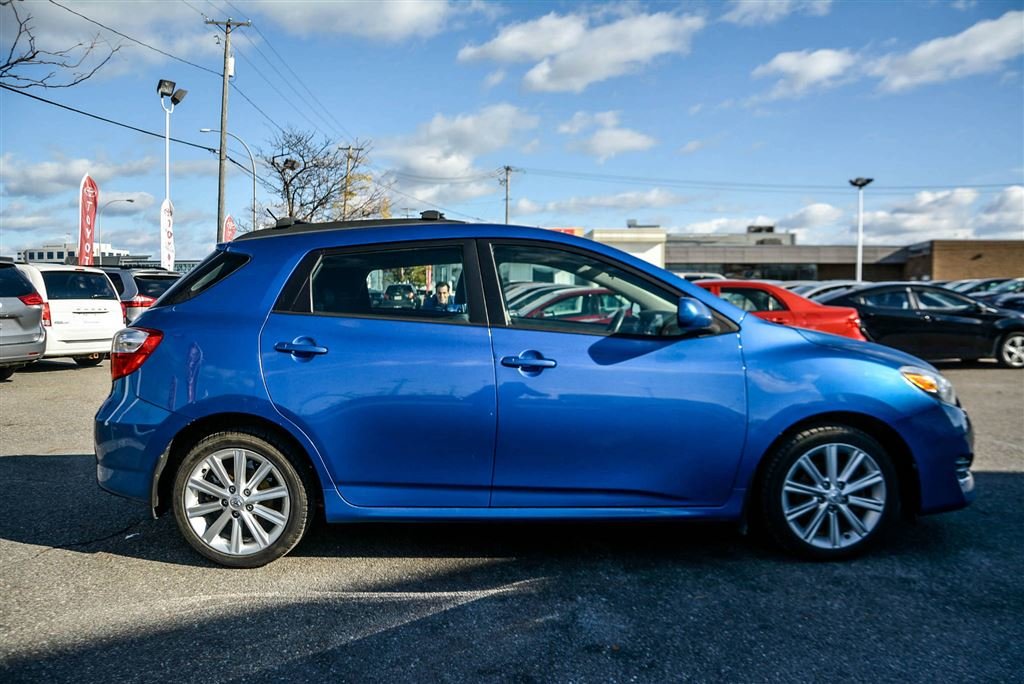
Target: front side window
(419, 283)
(583, 295)
(941, 301)
(752, 299)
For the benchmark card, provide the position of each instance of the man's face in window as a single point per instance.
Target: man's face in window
(442, 294)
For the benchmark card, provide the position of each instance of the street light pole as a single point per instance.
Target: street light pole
(98, 251)
(860, 183)
(252, 160)
(166, 89)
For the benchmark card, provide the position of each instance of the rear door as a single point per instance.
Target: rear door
(84, 307)
(891, 319)
(400, 401)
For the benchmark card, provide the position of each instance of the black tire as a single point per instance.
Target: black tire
(295, 509)
(89, 361)
(831, 509)
(6, 372)
(1010, 349)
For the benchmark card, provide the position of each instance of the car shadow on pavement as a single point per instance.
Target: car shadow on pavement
(55, 365)
(54, 502)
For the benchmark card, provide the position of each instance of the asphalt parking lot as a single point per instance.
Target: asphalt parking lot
(92, 589)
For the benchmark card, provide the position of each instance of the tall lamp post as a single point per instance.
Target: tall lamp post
(252, 160)
(860, 183)
(166, 90)
(99, 224)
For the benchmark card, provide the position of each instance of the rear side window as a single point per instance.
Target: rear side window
(752, 299)
(13, 284)
(118, 282)
(214, 269)
(890, 299)
(153, 286)
(77, 285)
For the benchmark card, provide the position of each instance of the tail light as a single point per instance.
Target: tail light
(130, 349)
(47, 321)
(124, 313)
(856, 327)
(31, 299)
(141, 301)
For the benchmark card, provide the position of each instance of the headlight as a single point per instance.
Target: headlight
(931, 382)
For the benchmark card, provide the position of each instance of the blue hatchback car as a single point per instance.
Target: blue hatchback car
(268, 387)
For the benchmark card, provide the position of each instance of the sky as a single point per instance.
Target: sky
(700, 117)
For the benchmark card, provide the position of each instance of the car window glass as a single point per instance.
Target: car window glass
(153, 286)
(932, 300)
(889, 299)
(398, 283)
(117, 281)
(211, 271)
(752, 299)
(77, 285)
(586, 295)
(13, 283)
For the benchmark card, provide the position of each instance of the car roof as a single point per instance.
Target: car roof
(64, 267)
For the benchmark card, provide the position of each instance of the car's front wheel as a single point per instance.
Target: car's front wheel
(829, 492)
(6, 372)
(89, 361)
(241, 499)
(1011, 350)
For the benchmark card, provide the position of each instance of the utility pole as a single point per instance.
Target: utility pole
(508, 170)
(222, 173)
(344, 194)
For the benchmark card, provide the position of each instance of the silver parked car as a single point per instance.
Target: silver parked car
(22, 336)
(139, 288)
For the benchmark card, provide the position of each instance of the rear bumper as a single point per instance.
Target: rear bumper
(22, 353)
(127, 432)
(57, 347)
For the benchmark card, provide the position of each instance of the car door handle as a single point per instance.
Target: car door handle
(302, 346)
(528, 361)
(926, 318)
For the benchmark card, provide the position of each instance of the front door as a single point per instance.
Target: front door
(618, 412)
(399, 398)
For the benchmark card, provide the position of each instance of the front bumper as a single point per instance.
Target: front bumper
(942, 443)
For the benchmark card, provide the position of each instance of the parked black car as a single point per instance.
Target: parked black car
(936, 323)
(1014, 301)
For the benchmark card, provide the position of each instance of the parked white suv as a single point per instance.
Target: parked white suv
(81, 310)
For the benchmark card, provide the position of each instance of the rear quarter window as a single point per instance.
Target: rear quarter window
(154, 286)
(214, 269)
(77, 285)
(13, 283)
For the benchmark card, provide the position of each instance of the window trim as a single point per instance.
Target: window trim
(299, 281)
(499, 317)
(967, 308)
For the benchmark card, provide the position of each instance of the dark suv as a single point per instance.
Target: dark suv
(138, 288)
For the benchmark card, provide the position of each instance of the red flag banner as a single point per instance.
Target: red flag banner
(88, 197)
(229, 228)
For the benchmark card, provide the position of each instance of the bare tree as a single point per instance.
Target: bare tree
(319, 181)
(28, 66)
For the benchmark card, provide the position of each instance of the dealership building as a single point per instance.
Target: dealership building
(763, 253)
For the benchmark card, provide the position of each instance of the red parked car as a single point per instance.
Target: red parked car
(778, 305)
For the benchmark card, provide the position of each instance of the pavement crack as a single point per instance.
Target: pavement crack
(87, 542)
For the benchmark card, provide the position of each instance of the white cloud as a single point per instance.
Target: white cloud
(574, 54)
(723, 225)
(982, 48)
(1003, 217)
(693, 146)
(650, 199)
(812, 216)
(494, 78)
(530, 40)
(608, 140)
(393, 20)
(438, 162)
(695, 109)
(43, 179)
(799, 72)
(760, 12)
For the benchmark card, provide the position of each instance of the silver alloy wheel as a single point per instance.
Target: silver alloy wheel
(1013, 351)
(237, 502)
(834, 496)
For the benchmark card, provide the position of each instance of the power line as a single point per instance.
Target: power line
(154, 134)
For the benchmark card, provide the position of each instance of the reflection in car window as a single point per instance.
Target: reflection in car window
(407, 283)
(587, 295)
(77, 285)
(931, 300)
(889, 299)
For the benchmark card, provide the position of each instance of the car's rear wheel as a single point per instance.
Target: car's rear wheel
(89, 361)
(1011, 350)
(829, 493)
(241, 499)
(6, 372)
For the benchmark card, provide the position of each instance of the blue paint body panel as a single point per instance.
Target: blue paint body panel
(420, 420)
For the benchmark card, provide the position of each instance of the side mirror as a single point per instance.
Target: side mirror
(694, 315)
